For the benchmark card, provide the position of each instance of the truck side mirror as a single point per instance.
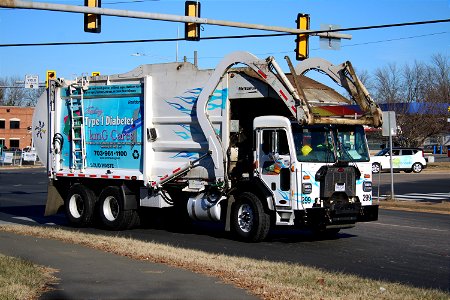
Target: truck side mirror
(285, 179)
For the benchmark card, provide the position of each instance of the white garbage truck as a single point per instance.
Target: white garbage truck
(243, 144)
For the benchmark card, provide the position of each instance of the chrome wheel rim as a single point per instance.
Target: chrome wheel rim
(245, 218)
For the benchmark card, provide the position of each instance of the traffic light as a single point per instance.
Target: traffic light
(92, 22)
(51, 75)
(95, 74)
(192, 30)
(302, 47)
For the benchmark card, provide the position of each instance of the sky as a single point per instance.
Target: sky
(367, 50)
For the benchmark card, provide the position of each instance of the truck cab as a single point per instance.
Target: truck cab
(314, 171)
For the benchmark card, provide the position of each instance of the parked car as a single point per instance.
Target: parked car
(403, 159)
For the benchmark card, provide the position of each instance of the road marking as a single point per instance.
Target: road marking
(419, 196)
(406, 226)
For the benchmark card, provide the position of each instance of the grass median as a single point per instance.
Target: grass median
(21, 279)
(265, 279)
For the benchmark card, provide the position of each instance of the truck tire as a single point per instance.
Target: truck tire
(249, 221)
(80, 205)
(112, 213)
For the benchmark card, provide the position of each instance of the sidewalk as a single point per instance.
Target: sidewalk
(86, 273)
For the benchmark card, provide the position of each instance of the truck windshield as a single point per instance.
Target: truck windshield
(352, 144)
(314, 144)
(327, 144)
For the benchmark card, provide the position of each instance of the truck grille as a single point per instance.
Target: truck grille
(338, 180)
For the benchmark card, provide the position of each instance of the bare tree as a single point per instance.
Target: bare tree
(414, 83)
(13, 95)
(2, 91)
(388, 85)
(426, 91)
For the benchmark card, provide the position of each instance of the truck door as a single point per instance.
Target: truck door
(274, 163)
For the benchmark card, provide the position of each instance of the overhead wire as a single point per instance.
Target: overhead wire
(224, 37)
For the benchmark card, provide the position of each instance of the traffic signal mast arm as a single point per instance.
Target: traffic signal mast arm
(161, 17)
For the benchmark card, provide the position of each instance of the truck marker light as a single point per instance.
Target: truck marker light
(255, 165)
(104, 176)
(340, 170)
(366, 175)
(164, 177)
(116, 176)
(176, 170)
(92, 175)
(294, 108)
(306, 177)
(71, 175)
(292, 168)
(81, 175)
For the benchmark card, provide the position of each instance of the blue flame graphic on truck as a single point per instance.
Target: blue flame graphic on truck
(186, 102)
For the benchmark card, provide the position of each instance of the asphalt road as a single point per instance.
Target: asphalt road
(406, 247)
(424, 186)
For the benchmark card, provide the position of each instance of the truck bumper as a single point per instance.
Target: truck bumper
(368, 213)
(344, 217)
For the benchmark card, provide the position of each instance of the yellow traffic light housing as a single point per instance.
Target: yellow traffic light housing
(192, 30)
(95, 74)
(92, 22)
(302, 41)
(51, 75)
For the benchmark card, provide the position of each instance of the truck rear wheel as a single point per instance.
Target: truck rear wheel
(79, 205)
(112, 213)
(249, 221)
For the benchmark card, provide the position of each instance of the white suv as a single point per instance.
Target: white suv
(403, 159)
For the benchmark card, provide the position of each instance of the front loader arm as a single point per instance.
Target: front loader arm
(269, 72)
(345, 76)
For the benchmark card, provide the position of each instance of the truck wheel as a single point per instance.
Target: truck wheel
(417, 167)
(376, 168)
(79, 205)
(112, 213)
(249, 221)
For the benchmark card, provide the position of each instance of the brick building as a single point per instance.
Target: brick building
(14, 126)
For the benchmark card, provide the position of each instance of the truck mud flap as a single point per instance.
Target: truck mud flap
(54, 200)
(368, 213)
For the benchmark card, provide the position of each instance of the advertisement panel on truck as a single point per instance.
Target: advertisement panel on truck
(113, 118)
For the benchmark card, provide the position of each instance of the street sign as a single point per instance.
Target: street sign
(389, 123)
(330, 43)
(31, 81)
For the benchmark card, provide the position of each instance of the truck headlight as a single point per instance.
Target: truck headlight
(367, 186)
(306, 188)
